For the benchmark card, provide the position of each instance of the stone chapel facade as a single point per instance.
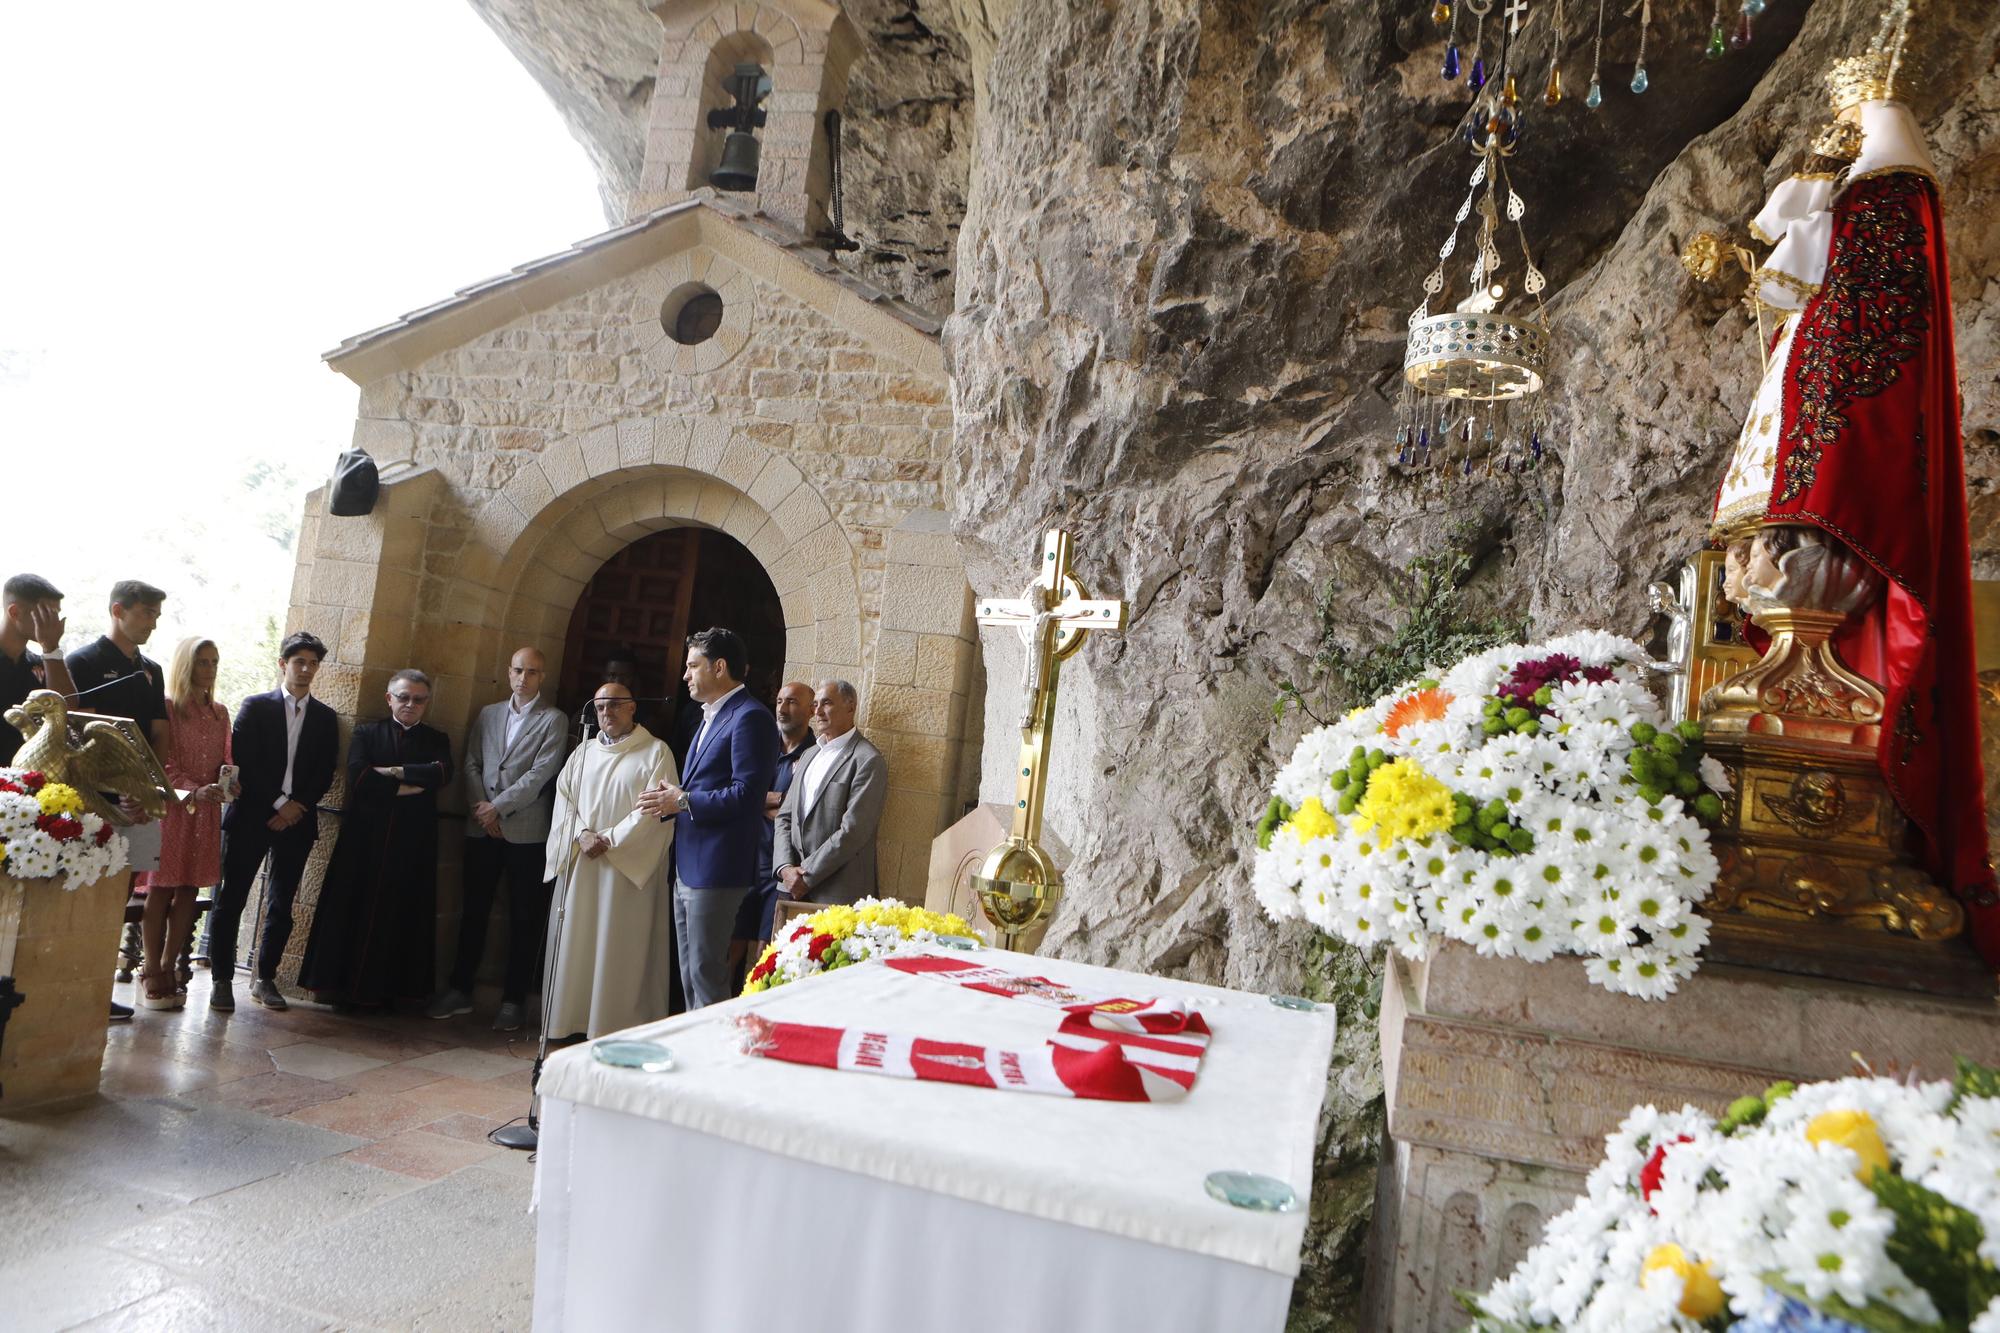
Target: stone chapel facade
(533, 426)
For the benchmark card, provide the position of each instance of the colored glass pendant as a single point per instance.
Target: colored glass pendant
(1753, 8)
(1478, 79)
(1639, 80)
(1553, 94)
(1511, 98)
(1451, 62)
(1595, 97)
(1440, 13)
(1740, 39)
(1718, 43)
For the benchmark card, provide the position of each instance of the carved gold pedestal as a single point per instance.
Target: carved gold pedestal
(1814, 879)
(1799, 688)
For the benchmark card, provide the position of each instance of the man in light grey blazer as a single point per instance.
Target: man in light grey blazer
(511, 760)
(824, 843)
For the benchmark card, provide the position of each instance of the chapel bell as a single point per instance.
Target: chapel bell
(747, 86)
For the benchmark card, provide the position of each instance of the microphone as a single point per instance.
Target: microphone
(136, 675)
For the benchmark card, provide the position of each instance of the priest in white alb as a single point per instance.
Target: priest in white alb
(609, 862)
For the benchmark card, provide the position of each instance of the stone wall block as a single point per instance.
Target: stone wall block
(801, 647)
(530, 492)
(602, 450)
(944, 661)
(910, 810)
(342, 583)
(926, 599)
(706, 443)
(713, 506)
(775, 482)
(680, 495)
(839, 643)
(562, 464)
(802, 513)
(387, 441)
(635, 441)
(922, 763)
(671, 438)
(496, 527)
(895, 658)
(745, 519)
(912, 710)
(741, 461)
(937, 550)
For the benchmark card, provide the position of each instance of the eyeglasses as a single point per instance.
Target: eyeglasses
(411, 698)
(603, 704)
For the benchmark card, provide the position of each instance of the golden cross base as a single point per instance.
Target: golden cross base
(1018, 887)
(1799, 688)
(1814, 879)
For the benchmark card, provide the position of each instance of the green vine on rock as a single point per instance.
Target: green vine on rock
(1437, 629)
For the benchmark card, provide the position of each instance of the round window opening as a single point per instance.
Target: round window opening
(693, 318)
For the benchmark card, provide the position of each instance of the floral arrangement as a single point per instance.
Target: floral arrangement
(1530, 801)
(841, 934)
(1857, 1203)
(46, 833)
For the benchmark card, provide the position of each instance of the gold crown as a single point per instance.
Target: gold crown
(1858, 79)
(1839, 142)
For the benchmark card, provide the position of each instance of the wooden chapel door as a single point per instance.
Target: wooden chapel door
(638, 601)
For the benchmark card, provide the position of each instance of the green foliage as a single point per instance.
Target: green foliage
(1974, 1080)
(1936, 1242)
(1437, 630)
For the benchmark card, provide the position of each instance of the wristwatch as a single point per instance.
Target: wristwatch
(683, 805)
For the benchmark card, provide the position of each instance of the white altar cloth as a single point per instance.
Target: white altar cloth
(735, 1190)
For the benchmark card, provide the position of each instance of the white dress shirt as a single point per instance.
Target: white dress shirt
(708, 711)
(295, 720)
(819, 766)
(517, 713)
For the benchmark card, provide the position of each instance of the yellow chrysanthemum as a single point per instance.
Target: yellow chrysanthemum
(1311, 820)
(1404, 802)
(1855, 1131)
(57, 798)
(1701, 1294)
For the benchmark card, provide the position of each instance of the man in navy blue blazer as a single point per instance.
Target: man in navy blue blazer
(718, 811)
(285, 744)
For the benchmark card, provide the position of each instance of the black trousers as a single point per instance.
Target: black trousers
(243, 850)
(487, 860)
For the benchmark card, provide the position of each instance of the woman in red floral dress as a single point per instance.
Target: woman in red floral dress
(190, 835)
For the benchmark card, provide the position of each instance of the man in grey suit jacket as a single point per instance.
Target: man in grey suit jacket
(511, 759)
(824, 844)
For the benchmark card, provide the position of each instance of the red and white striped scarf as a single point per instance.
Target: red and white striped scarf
(1106, 1047)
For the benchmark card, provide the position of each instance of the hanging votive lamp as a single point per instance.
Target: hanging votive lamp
(1473, 374)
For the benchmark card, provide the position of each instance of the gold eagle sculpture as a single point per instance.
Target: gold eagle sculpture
(109, 758)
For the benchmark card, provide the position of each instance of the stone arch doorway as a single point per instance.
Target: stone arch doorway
(643, 603)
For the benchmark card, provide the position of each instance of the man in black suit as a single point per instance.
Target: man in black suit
(286, 744)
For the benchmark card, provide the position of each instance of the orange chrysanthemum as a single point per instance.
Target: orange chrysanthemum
(1423, 706)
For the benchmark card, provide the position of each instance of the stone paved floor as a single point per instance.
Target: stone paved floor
(270, 1172)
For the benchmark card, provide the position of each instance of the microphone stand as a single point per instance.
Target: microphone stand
(527, 1137)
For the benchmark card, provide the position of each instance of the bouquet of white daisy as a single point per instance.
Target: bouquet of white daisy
(45, 833)
(1852, 1204)
(1531, 800)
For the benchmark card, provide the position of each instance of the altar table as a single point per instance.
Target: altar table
(738, 1192)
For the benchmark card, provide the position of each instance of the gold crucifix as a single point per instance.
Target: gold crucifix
(1018, 885)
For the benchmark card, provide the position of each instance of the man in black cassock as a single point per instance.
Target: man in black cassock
(373, 933)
